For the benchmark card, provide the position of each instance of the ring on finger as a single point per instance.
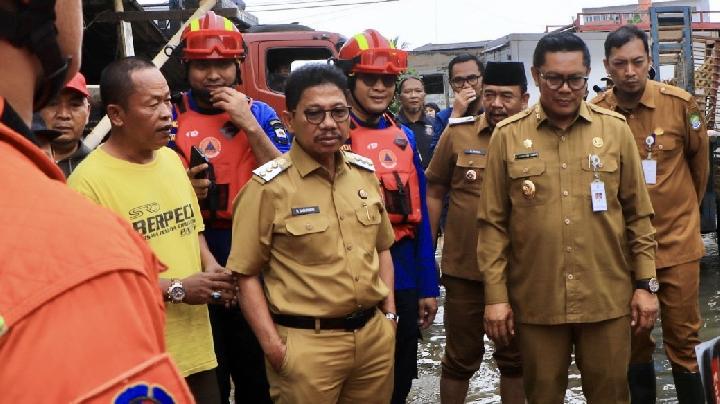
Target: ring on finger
(216, 295)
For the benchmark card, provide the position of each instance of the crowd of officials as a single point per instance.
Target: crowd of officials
(210, 242)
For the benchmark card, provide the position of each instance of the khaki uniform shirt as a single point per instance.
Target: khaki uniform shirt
(540, 241)
(315, 239)
(681, 154)
(459, 164)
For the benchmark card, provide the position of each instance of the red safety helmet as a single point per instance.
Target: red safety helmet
(370, 52)
(212, 37)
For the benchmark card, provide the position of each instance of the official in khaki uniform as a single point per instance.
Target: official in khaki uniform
(671, 137)
(564, 218)
(312, 222)
(457, 169)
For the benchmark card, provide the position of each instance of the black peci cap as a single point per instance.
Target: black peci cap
(505, 74)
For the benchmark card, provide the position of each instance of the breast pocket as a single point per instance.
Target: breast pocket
(369, 215)
(468, 172)
(667, 148)
(307, 239)
(529, 183)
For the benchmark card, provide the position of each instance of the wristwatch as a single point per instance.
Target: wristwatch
(651, 285)
(175, 292)
(392, 316)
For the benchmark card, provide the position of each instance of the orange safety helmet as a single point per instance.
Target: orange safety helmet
(370, 52)
(212, 37)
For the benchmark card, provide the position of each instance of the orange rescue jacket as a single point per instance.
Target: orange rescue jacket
(81, 315)
(392, 155)
(227, 148)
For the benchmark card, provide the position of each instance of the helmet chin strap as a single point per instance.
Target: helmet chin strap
(33, 28)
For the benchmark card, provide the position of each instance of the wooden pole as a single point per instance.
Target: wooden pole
(103, 127)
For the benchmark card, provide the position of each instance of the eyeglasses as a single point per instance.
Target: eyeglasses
(317, 116)
(388, 80)
(460, 81)
(556, 82)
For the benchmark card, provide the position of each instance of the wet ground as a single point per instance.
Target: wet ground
(484, 385)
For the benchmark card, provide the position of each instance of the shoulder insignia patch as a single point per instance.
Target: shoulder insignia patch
(675, 91)
(695, 120)
(514, 118)
(604, 111)
(272, 169)
(358, 160)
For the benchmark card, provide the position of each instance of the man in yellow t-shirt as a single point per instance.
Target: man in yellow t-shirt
(134, 175)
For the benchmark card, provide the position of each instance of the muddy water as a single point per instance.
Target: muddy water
(484, 384)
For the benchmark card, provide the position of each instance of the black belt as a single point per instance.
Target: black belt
(350, 322)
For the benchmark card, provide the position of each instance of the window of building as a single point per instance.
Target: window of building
(434, 83)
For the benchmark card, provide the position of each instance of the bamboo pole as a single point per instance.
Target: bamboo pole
(103, 127)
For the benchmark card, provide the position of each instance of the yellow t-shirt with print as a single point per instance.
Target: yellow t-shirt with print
(158, 200)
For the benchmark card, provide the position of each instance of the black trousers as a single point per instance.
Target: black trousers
(237, 349)
(406, 344)
(204, 387)
(239, 357)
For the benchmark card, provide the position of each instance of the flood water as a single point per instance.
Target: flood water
(484, 387)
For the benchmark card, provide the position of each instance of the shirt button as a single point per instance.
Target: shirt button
(567, 221)
(571, 277)
(349, 247)
(631, 116)
(568, 249)
(341, 217)
(357, 278)
(566, 193)
(660, 146)
(525, 170)
(470, 162)
(563, 165)
(309, 226)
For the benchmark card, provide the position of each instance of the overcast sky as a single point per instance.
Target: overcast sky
(418, 22)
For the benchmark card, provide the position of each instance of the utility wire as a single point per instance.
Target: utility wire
(328, 5)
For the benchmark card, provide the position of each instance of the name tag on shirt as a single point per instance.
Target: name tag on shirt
(475, 151)
(650, 171)
(599, 199)
(523, 156)
(455, 121)
(305, 211)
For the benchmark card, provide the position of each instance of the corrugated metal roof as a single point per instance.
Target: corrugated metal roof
(450, 46)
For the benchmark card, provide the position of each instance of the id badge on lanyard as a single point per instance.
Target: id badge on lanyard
(597, 187)
(649, 164)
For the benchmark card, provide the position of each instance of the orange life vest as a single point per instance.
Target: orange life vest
(227, 148)
(392, 155)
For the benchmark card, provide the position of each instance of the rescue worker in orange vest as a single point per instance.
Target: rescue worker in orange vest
(373, 65)
(81, 315)
(235, 135)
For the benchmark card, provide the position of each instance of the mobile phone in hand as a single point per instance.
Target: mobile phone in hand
(196, 158)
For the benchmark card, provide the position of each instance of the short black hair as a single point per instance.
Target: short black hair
(433, 106)
(623, 35)
(560, 42)
(465, 57)
(116, 80)
(310, 76)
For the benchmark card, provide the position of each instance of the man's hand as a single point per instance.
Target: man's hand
(427, 308)
(236, 104)
(499, 324)
(643, 311)
(200, 287)
(463, 98)
(276, 356)
(202, 185)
